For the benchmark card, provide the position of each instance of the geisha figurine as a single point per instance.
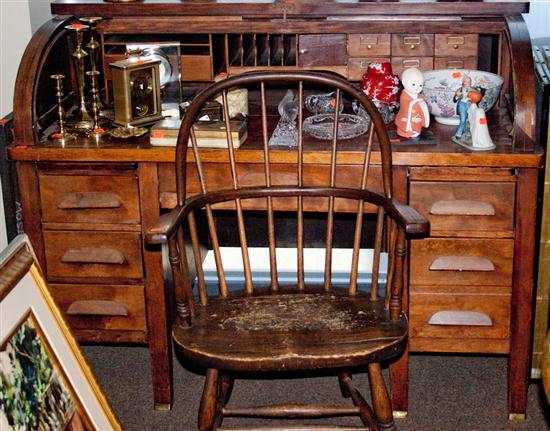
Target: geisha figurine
(413, 112)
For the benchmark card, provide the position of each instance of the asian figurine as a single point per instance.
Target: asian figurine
(382, 86)
(463, 102)
(413, 112)
(476, 131)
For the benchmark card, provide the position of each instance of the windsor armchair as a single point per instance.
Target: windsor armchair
(281, 328)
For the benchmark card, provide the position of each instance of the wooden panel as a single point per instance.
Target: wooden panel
(459, 345)
(89, 199)
(60, 244)
(322, 50)
(369, 45)
(129, 297)
(455, 63)
(427, 197)
(456, 45)
(358, 66)
(196, 68)
(426, 307)
(399, 64)
(425, 253)
(412, 45)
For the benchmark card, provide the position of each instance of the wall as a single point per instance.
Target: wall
(538, 19)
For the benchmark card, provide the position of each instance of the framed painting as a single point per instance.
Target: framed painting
(45, 381)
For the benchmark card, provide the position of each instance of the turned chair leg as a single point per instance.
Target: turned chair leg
(368, 417)
(343, 388)
(208, 410)
(380, 398)
(226, 387)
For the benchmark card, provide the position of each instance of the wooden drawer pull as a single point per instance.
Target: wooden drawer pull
(93, 255)
(456, 317)
(98, 308)
(83, 200)
(462, 207)
(462, 263)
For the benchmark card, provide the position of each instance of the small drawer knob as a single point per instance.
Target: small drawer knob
(455, 46)
(369, 46)
(412, 46)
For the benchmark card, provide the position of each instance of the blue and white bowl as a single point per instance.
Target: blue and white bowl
(440, 87)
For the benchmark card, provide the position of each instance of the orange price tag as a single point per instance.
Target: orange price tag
(457, 74)
(483, 121)
(157, 134)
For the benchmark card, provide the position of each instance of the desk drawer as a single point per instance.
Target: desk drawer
(463, 207)
(459, 316)
(98, 307)
(477, 262)
(456, 45)
(93, 254)
(412, 45)
(455, 63)
(369, 45)
(399, 64)
(89, 199)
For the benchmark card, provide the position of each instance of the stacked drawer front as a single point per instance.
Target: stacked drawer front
(92, 242)
(423, 51)
(461, 277)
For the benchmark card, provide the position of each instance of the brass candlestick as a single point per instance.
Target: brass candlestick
(96, 129)
(62, 136)
(93, 46)
(85, 121)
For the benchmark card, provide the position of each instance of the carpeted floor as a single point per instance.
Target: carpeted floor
(455, 393)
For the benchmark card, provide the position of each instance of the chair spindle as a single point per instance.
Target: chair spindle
(378, 238)
(182, 288)
(238, 205)
(397, 281)
(300, 209)
(197, 257)
(359, 218)
(270, 216)
(330, 215)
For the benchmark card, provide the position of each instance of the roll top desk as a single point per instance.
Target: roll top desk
(87, 204)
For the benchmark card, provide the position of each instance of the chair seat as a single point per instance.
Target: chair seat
(290, 332)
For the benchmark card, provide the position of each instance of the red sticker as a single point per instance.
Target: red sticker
(483, 121)
(20, 146)
(157, 134)
(3, 121)
(457, 74)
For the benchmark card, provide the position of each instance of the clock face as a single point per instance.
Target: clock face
(141, 87)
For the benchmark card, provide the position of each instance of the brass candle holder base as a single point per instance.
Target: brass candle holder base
(62, 138)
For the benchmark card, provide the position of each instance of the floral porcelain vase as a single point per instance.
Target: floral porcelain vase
(382, 87)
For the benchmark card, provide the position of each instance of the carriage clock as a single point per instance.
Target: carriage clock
(136, 89)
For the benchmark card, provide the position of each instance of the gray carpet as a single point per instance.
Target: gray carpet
(456, 393)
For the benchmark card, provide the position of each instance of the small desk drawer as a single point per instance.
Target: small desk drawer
(358, 66)
(456, 45)
(399, 64)
(89, 199)
(368, 45)
(113, 307)
(412, 45)
(459, 316)
(93, 254)
(465, 206)
(455, 63)
(479, 262)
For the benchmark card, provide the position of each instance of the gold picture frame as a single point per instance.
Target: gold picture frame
(45, 381)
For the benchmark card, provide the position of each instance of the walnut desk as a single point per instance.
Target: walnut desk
(86, 204)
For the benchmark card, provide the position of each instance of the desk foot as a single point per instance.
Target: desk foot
(516, 416)
(400, 414)
(163, 407)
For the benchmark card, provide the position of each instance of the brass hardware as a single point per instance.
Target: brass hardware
(455, 64)
(516, 417)
(412, 41)
(369, 46)
(455, 41)
(400, 414)
(411, 63)
(370, 41)
(364, 64)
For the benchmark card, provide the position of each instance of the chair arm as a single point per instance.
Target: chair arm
(166, 226)
(410, 220)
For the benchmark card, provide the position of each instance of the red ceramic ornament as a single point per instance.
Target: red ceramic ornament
(380, 84)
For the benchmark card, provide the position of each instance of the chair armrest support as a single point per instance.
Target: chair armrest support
(166, 226)
(410, 220)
